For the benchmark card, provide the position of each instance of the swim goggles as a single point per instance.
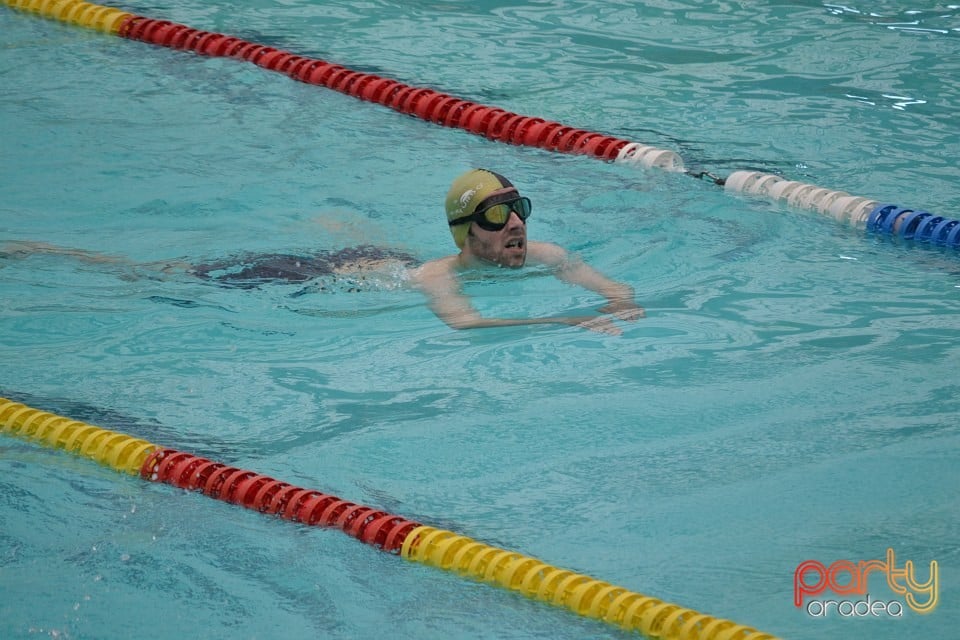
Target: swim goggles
(493, 213)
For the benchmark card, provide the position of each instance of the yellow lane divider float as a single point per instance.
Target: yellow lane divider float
(83, 14)
(438, 548)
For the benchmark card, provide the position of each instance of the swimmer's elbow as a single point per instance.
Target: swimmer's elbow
(460, 323)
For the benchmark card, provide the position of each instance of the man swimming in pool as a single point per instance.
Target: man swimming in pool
(487, 218)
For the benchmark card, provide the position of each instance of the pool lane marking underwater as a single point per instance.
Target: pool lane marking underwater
(497, 124)
(393, 534)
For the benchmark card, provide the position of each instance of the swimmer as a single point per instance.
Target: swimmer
(487, 217)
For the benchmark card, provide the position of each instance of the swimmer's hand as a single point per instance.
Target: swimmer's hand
(624, 309)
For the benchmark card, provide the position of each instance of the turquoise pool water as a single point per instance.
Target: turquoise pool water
(792, 394)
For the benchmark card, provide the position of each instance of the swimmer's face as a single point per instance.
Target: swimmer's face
(506, 247)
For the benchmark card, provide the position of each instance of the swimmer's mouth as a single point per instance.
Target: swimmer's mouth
(516, 243)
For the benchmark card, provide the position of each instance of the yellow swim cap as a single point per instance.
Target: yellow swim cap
(466, 193)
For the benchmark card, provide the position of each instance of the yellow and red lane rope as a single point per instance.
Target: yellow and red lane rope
(445, 550)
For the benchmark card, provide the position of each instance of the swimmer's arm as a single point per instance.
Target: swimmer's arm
(573, 270)
(439, 283)
(22, 249)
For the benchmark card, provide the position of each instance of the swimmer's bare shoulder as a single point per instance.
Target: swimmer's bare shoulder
(439, 276)
(436, 275)
(546, 253)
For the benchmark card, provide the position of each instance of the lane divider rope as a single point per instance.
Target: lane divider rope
(427, 104)
(494, 123)
(877, 217)
(411, 540)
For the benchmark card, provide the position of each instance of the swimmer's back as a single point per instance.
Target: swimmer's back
(247, 271)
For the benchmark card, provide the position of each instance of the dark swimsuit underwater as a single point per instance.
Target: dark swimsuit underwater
(342, 270)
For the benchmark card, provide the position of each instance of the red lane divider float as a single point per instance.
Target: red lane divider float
(426, 104)
(274, 497)
(492, 122)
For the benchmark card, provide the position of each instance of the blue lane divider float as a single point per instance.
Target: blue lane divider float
(916, 225)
